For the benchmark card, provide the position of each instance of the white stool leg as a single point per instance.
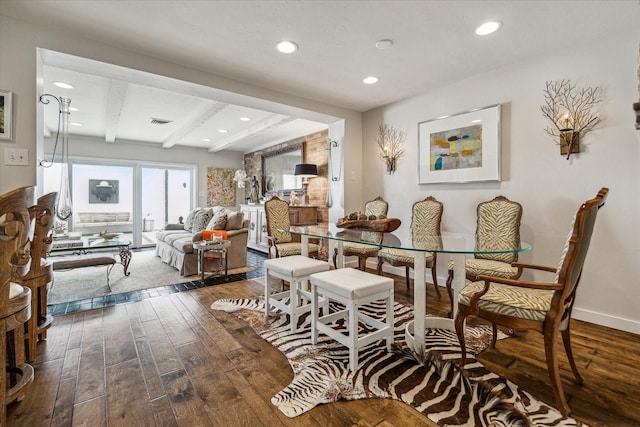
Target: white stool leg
(267, 291)
(353, 335)
(314, 314)
(390, 319)
(294, 302)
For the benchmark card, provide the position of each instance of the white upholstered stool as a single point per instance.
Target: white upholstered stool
(295, 269)
(353, 288)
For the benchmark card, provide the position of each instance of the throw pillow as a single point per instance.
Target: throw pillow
(188, 223)
(234, 220)
(218, 222)
(201, 219)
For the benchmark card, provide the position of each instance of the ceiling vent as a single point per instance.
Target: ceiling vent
(155, 121)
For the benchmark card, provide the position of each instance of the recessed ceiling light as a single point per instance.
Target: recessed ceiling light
(223, 130)
(73, 109)
(75, 124)
(476, 121)
(443, 117)
(488, 28)
(63, 85)
(287, 46)
(384, 44)
(370, 80)
(245, 119)
(206, 140)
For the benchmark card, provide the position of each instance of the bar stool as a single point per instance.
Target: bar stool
(352, 288)
(295, 269)
(15, 300)
(40, 276)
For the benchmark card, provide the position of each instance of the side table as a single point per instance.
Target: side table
(209, 246)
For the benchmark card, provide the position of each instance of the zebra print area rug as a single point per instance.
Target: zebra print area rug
(436, 388)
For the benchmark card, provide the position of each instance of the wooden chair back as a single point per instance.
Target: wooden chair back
(574, 255)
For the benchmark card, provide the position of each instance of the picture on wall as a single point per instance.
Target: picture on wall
(104, 191)
(221, 190)
(463, 147)
(6, 116)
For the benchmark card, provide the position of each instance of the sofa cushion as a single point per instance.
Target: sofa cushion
(183, 244)
(162, 235)
(218, 221)
(234, 220)
(201, 219)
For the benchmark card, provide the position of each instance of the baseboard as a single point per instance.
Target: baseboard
(607, 320)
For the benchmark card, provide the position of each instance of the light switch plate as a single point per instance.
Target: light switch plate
(16, 156)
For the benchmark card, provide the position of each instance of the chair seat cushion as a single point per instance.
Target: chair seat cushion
(293, 248)
(296, 265)
(351, 283)
(524, 303)
(488, 267)
(400, 255)
(360, 249)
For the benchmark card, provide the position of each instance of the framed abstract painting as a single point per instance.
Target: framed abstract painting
(463, 147)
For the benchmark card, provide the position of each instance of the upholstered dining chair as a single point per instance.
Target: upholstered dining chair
(15, 300)
(540, 306)
(425, 225)
(282, 244)
(376, 207)
(497, 226)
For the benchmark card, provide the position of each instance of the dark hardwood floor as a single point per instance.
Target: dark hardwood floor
(172, 361)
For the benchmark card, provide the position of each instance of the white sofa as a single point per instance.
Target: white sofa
(175, 243)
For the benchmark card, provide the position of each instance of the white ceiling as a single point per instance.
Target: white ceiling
(434, 45)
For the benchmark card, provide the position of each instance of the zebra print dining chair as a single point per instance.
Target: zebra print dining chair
(425, 226)
(376, 207)
(498, 226)
(281, 243)
(540, 306)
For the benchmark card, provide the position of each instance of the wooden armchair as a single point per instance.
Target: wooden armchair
(281, 243)
(376, 207)
(425, 225)
(541, 306)
(497, 226)
(15, 300)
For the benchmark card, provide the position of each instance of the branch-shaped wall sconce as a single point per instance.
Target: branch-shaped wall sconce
(571, 111)
(391, 144)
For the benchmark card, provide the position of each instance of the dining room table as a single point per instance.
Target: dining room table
(458, 246)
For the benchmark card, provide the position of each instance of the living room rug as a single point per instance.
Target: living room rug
(147, 271)
(437, 388)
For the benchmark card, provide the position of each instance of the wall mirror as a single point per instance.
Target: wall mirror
(278, 169)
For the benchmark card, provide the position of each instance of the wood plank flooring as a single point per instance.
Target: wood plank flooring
(171, 361)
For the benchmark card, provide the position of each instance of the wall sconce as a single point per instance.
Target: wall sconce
(391, 144)
(571, 111)
(306, 171)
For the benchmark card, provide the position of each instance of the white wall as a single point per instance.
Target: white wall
(549, 187)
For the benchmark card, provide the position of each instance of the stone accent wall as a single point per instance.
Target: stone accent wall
(315, 151)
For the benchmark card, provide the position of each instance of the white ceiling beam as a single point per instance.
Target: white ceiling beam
(204, 115)
(115, 101)
(273, 120)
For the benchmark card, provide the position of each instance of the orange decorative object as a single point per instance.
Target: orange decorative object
(208, 234)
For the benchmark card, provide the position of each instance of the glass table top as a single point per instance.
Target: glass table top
(447, 242)
(88, 242)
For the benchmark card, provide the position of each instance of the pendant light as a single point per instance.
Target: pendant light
(64, 206)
